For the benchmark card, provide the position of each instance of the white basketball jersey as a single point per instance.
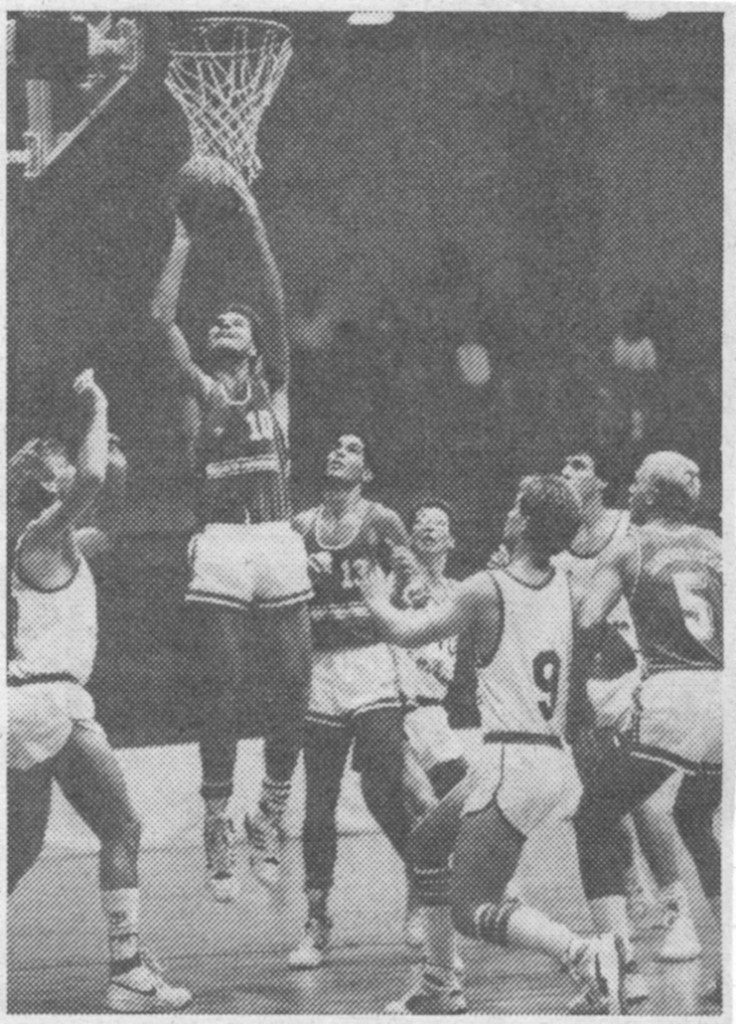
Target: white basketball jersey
(431, 668)
(54, 632)
(581, 568)
(524, 689)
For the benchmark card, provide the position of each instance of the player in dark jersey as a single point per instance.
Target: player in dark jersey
(671, 574)
(355, 693)
(249, 579)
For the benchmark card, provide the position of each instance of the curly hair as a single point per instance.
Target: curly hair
(552, 511)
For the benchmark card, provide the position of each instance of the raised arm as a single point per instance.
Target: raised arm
(48, 548)
(413, 628)
(164, 309)
(274, 343)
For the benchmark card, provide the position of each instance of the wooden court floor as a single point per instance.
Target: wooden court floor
(233, 957)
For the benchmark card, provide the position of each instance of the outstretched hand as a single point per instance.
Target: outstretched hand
(375, 586)
(86, 388)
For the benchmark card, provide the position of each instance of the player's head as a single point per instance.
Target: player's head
(666, 484)
(39, 474)
(546, 516)
(430, 528)
(582, 473)
(348, 463)
(233, 331)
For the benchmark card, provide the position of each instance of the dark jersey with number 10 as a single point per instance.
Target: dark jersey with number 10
(242, 455)
(677, 603)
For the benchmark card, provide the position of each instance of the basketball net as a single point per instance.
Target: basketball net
(224, 77)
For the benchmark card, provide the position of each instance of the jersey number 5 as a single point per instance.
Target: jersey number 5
(260, 424)
(546, 669)
(696, 610)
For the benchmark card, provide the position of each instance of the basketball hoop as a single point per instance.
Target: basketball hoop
(224, 76)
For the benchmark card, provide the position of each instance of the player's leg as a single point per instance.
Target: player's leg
(326, 749)
(379, 757)
(29, 804)
(287, 662)
(221, 630)
(696, 805)
(91, 779)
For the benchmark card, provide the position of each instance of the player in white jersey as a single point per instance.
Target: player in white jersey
(609, 695)
(52, 732)
(434, 760)
(520, 619)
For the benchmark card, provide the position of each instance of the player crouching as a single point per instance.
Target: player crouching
(52, 731)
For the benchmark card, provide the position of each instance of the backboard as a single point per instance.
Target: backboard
(64, 69)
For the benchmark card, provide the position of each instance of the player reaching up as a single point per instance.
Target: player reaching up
(52, 731)
(520, 619)
(617, 675)
(355, 694)
(670, 572)
(249, 576)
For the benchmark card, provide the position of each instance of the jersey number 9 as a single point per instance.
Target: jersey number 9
(546, 669)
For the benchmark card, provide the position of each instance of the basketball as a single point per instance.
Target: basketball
(203, 192)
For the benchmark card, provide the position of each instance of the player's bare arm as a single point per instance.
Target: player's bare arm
(614, 577)
(48, 554)
(164, 312)
(94, 541)
(412, 627)
(274, 345)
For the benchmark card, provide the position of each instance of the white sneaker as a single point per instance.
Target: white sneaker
(430, 996)
(222, 883)
(143, 990)
(680, 942)
(599, 966)
(312, 950)
(635, 992)
(265, 843)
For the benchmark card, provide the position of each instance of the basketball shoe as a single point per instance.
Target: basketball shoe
(599, 965)
(635, 992)
(680, 942)
(312, 949)
(265, 844)
(143, 990)
(222, 883)
(436, 992)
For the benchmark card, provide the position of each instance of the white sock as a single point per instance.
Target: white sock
(122, 910)
(676, 894)
(274, 797)
(609, 915)
(440, 938)
(530, 929)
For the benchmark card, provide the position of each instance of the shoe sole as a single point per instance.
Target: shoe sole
(143, 1007)
(679, 958)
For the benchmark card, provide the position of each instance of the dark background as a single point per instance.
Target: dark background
(534, 183)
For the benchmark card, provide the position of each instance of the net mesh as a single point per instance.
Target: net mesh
(224, 76)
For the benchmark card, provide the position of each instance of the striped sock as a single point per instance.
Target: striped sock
(274, 797)
(122, 910)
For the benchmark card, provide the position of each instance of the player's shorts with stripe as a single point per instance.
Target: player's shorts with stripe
(678, 719)
(430, 736)
(41, 717)
(351, 682)
(532, 780)
(236, 566)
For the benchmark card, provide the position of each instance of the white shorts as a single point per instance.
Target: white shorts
(430, 736)
(678, 719)
(236, 566)
(612, 699)
(531, 784)
(345, 683)
(40, 720)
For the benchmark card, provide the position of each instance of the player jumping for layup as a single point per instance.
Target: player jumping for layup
(521, 621)
(249, 575)
(52, 731)
(355, 694)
